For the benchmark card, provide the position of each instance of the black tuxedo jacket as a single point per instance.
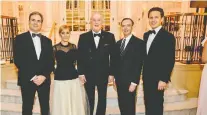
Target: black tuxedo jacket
(94, 62)
(159, 61)
(127, 68)
(26, 61)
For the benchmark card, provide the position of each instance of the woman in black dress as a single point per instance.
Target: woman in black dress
(69, 96)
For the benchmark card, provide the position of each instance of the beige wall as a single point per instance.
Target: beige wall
(7, 8)
(187, 76)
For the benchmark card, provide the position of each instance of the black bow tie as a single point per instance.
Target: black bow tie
(99, 35)
(34, 35)
(152, 32)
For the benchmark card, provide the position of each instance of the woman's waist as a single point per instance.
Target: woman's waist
(65, 80)
(66, 69)
(65, 76)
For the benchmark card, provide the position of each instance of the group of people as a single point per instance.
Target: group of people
(99, 59)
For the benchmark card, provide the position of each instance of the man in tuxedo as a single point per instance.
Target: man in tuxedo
(33, 56)
(95, 48)
(158, 63)
(127, 65)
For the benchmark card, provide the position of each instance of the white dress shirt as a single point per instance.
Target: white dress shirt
(37, 44)
(152, 37)
(97, 38)
(127, 40)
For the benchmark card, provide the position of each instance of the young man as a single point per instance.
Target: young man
(158, 63)
(33, 56)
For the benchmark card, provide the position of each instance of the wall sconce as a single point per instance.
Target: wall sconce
(20, 7)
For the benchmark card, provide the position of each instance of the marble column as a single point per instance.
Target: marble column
(114, 25)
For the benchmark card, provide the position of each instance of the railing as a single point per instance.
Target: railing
(189, 30)
(8, 31)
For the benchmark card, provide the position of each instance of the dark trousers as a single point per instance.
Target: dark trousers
(28, 94)
(90, 90)
(126, 99)
(153, 99)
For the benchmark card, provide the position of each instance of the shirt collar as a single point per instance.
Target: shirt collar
(157, 29)
(128, 37)
(96, 32)
(31, 32)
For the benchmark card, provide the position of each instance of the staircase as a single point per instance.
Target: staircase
(11, 100)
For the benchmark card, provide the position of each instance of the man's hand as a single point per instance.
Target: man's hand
(132, 87)
(39, 80)
(110, 79)
(82, 78)
(162, 85)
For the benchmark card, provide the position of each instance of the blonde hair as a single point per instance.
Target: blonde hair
(63, 27)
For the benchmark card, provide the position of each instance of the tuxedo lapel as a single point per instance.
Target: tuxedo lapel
(42, 46)
(31, 44)
(101, 40)
(155, 39)
(92, 42)
(128, 45)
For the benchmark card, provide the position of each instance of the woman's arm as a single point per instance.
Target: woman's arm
(204, 54)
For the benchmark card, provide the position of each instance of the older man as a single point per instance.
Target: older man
(95, 48)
